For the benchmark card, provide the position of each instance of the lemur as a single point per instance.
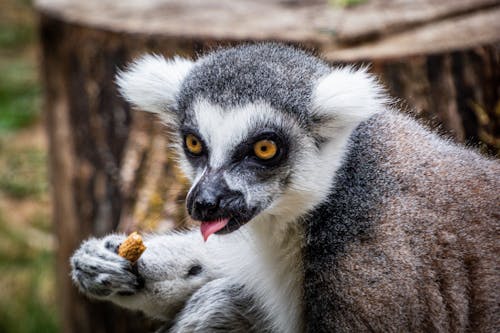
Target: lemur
(326, 208)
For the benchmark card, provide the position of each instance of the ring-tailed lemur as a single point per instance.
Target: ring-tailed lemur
(353, 217)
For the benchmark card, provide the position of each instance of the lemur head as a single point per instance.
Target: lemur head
(260, 129)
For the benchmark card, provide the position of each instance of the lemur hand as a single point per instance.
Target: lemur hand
(172, 268)
(99, 271)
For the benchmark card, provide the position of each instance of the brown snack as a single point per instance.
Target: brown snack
(132, 248)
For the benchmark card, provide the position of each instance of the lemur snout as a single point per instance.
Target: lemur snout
(212, 199)
(206, 205)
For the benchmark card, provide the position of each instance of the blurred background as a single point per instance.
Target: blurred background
(76, 161)
(27, 267)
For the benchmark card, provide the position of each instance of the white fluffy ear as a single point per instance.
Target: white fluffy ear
(152, 83)
(344, 98)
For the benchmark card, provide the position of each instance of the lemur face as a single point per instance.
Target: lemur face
(258, 128)
(240, 159)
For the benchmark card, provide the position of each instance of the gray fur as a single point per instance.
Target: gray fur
(408, 238)
(274, 73)
(221, 306)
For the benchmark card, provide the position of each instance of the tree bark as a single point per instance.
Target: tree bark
(455, 93)
(110, 166)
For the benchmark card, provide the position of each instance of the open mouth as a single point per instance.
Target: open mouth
(219, 226)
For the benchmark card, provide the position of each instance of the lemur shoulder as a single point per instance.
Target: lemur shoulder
(326, 209)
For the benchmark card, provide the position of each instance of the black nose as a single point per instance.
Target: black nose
(206, 205)
(204, 200)
(212, 199)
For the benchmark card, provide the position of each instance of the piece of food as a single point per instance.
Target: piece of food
(132, 248)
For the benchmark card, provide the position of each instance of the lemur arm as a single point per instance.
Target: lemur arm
(171, 269)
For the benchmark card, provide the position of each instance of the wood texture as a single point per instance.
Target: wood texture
(456, 93)
(110, 166)
(449, 35)
(375, 19)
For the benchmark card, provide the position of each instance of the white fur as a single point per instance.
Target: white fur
(224, 129)
(272, 270)
(152, 83)
(347, 96)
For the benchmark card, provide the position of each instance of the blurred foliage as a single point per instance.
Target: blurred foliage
(19, 87)
(27, 282)
(17, 25)
(14, 35)
(27, 301)
(19, 94)
(22, 171)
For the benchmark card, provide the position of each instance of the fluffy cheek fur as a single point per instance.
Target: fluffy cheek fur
(301, 190)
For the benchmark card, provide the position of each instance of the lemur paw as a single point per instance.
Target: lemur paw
(99, 271)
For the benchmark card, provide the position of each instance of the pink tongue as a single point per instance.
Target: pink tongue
(209, 227)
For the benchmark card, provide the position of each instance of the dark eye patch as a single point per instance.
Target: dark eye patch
(195, 159)
(245, 151)
(194, 270)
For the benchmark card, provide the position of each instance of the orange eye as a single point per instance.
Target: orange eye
(193, 144)
(265, 149)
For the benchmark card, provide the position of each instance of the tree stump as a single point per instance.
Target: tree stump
(110, 168)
